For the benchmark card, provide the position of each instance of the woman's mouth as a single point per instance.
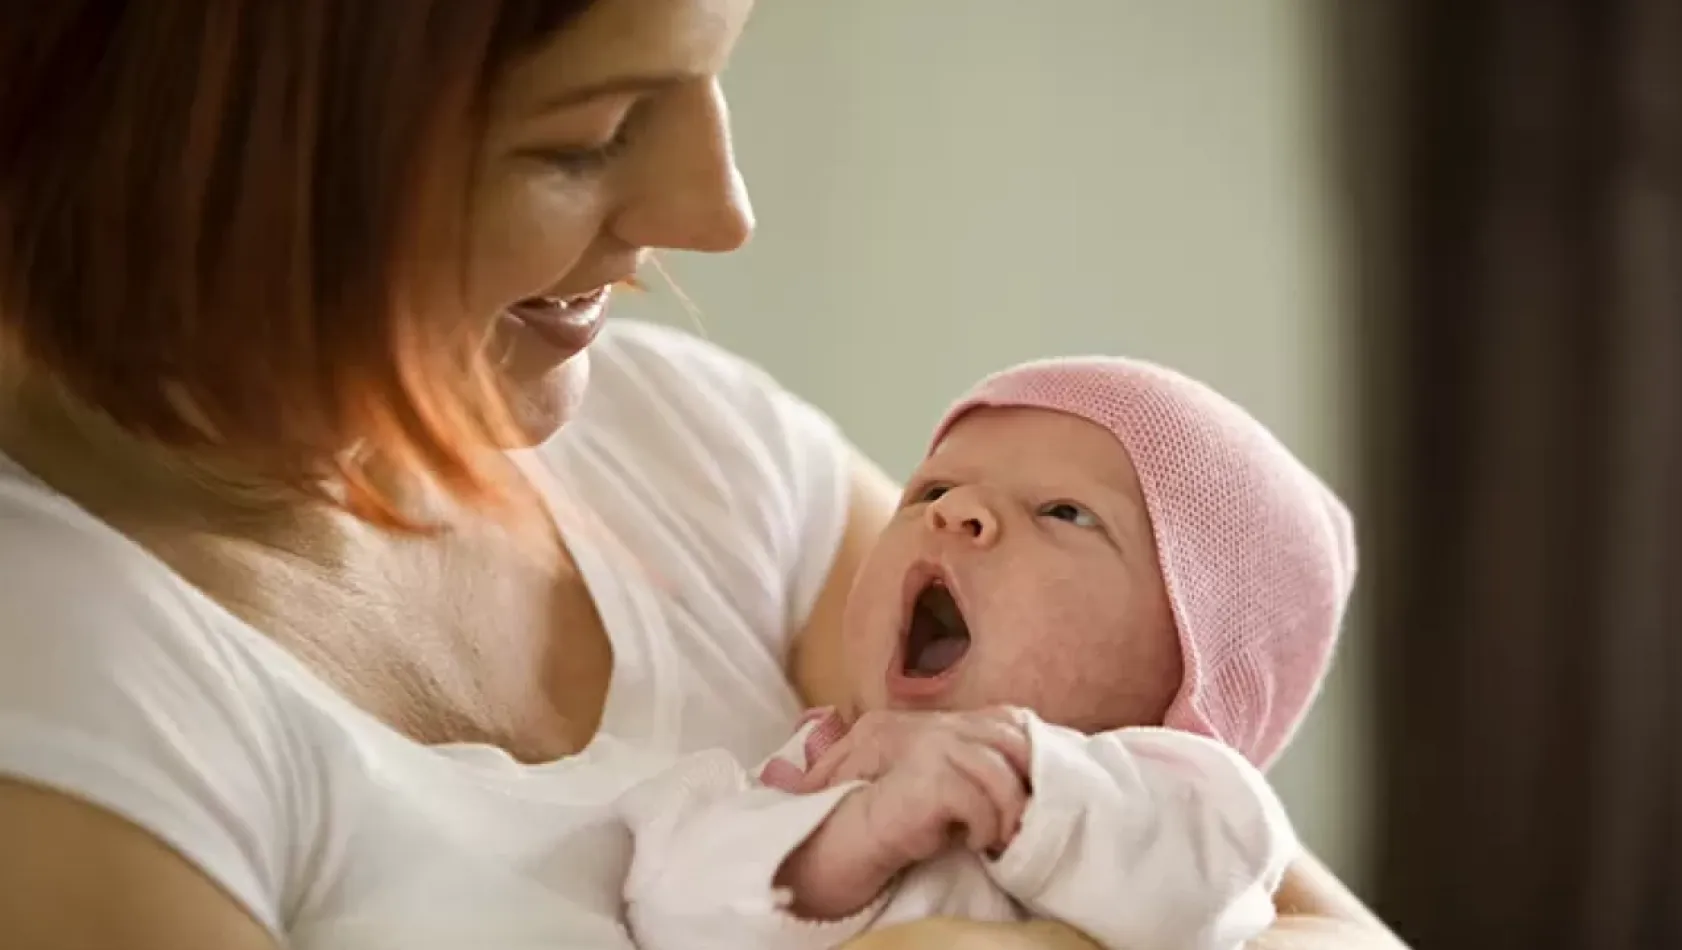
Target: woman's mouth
(566, 323)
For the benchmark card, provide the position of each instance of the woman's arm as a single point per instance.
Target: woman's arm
(815, 664)
(946, 933)
(73, 876)
(1316, 912)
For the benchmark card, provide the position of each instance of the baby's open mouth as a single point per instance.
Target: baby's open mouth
(936, 637)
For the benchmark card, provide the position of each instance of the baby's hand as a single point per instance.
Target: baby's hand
(933, 777)
(883, 738)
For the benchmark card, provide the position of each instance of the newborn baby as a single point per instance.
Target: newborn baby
(1107, 600)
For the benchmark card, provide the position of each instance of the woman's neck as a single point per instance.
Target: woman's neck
(146, 490)
(166, 499)
(395, 621)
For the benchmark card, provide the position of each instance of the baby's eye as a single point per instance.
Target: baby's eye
(1070, 512)
(931, 493)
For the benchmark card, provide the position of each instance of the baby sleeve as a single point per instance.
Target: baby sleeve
(1148, 839)
(708, 840)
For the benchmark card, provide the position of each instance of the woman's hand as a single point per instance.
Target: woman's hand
(947, 933)
(1316, 912)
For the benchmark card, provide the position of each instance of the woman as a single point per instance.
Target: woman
(294, 653)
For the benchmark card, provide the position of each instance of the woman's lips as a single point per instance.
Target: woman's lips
(567, 324)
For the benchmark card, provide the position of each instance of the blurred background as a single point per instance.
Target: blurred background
(1436, 246)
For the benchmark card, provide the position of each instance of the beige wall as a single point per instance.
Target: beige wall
(948, 186)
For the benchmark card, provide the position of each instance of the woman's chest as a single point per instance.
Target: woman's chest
(539, 667)
(463, 847)
(481, 644)
(474, 646)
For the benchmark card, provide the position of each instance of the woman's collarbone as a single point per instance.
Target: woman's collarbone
(461, 646)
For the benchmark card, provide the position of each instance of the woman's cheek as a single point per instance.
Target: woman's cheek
(528, 238)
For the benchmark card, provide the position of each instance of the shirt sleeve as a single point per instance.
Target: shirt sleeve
(1148, 839)
(780, 464)
(114, 689)
(708, 842)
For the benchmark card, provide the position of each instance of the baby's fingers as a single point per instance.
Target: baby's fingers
(847, 760)
(1007, 798)
(1002, 731)
(969, 809)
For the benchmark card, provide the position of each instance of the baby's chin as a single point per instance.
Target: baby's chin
(960, 695)
(909, 694)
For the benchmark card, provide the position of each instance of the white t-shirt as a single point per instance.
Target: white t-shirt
(708, 505)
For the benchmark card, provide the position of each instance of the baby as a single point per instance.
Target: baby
(1107, 600)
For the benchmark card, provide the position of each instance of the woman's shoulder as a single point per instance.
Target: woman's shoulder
(62, 569)
(662, 393)
(712, 436)
(120, 688)
(683, 444)
(639, 364)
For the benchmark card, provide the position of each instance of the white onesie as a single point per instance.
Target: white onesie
(1143, 838)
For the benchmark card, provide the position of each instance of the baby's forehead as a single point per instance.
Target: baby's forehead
(1034, 445)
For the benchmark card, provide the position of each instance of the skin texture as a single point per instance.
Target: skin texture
(573, 196)
(550, 216)
(1037, 522)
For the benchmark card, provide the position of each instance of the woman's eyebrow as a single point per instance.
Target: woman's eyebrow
(615, 86)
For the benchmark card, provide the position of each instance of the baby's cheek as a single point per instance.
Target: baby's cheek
(868, 637)
(1084, 663)
(1047, 662)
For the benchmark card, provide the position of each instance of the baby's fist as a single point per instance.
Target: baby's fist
(943, 776)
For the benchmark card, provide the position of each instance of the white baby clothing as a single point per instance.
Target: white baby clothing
(1143, 838)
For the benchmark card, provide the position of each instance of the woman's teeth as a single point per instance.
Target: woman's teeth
(561, 303)
(566, 322)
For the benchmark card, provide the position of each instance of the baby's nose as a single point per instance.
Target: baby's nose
(964, 511)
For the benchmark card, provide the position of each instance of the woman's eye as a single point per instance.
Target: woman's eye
(1070, 512)
(583, 161)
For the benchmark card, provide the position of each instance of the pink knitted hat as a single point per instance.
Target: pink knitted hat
(1258, 555)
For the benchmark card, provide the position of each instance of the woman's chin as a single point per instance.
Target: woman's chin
(542, 405)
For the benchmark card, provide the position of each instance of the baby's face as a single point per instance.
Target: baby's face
(1020, 570)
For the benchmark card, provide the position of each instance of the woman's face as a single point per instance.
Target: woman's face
(608, 141)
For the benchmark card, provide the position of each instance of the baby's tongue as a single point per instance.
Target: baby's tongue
(940, 655)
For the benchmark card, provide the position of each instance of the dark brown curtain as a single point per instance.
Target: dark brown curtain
(1518, 178)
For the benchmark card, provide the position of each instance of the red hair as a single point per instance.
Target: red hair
(212, 211)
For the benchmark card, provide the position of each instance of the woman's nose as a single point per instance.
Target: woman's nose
(687, 193)
(964, 511)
